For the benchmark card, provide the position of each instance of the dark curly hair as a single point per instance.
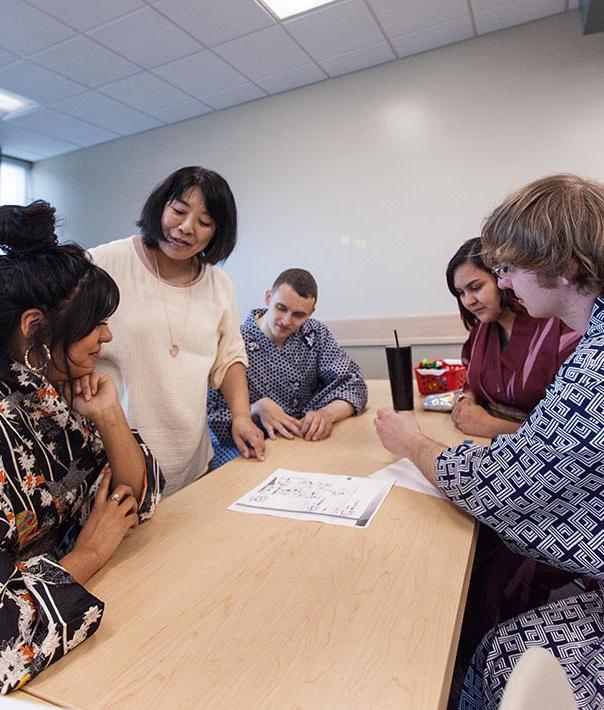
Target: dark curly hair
(60, 280)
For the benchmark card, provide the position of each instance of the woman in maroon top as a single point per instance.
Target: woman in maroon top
(511, 357)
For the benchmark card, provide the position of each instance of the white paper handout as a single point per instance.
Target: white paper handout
(340, 500)
(405, 474)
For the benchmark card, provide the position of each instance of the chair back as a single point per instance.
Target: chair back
(538, 682)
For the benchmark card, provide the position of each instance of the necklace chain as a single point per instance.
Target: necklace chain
(174, 348)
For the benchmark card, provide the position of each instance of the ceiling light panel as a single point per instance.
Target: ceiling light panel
(288, 8)
(13, 104)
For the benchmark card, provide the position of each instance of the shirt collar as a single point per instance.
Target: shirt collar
(250, 328)
(596, 322)
(35, 392)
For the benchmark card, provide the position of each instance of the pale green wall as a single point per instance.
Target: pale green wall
(407, 157)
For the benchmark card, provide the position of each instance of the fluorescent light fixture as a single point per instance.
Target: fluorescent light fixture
(287, 8)
(13, 104)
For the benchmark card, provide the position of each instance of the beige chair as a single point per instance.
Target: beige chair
(538, 682)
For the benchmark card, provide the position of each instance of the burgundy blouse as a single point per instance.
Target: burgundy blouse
(515, 378)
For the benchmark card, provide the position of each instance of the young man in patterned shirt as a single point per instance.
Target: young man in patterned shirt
(301, 382)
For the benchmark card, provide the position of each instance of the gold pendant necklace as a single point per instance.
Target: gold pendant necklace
(174, 348)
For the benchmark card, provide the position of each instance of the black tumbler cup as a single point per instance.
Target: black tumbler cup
(400, 373)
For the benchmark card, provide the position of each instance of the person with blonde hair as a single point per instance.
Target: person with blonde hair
(540, 488)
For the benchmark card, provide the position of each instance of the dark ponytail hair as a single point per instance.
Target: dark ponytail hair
(36, 271)
(470, 252)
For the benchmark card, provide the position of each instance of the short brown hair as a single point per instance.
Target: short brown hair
(554, 226)
(302, 281)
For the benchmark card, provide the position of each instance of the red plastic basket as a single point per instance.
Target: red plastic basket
(452, 379)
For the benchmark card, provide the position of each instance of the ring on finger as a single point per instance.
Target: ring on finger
(115, 497)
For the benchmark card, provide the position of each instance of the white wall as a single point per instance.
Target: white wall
(407, 157)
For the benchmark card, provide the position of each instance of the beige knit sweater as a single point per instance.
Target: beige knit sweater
(165, 397)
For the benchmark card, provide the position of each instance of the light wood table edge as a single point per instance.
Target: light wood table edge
(46, 699)
(446, 687)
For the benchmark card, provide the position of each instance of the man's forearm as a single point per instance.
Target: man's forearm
(423, 452)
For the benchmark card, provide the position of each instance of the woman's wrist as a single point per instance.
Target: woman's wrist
(81, 564)
(108, 418)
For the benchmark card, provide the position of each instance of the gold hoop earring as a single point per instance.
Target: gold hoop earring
(39, 368)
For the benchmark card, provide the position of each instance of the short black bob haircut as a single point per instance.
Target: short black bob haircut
(60, 280)
(302, 281)
(220, 205)
(470, 253)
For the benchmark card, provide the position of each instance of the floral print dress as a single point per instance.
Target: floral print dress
(51, 464)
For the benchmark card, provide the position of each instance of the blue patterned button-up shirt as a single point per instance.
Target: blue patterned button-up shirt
(306, 374)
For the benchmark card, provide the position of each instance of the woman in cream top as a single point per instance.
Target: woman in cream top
(176, 329)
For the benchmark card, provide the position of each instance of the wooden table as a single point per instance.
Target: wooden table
(210, 608)
(20, 700)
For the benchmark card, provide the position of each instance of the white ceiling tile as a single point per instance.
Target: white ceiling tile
(264, 53)
(432, 37)
(88, 62)
(181, 111)
(138, 124)
(98, 109)
(22, 152)
(37, 83)
(335, 29)
(7, 58)
(358, 59)
(30, 145)
(145, 92)
(84, 15)
(293, 78)
(232, 97)
(483, 5)
(215, 21)
(146, 37)
(509, 14)
(398, 18)
(201, 74)
(24, 29)
(59, 125)
(250, 54)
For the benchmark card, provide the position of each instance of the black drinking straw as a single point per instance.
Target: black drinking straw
(398, 347)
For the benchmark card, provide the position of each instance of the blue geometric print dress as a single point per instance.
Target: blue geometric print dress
(542, 490)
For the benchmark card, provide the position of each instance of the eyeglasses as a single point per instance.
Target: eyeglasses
(500, 271)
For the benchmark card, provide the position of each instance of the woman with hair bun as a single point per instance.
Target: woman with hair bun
(177, 327)
(73, 477)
